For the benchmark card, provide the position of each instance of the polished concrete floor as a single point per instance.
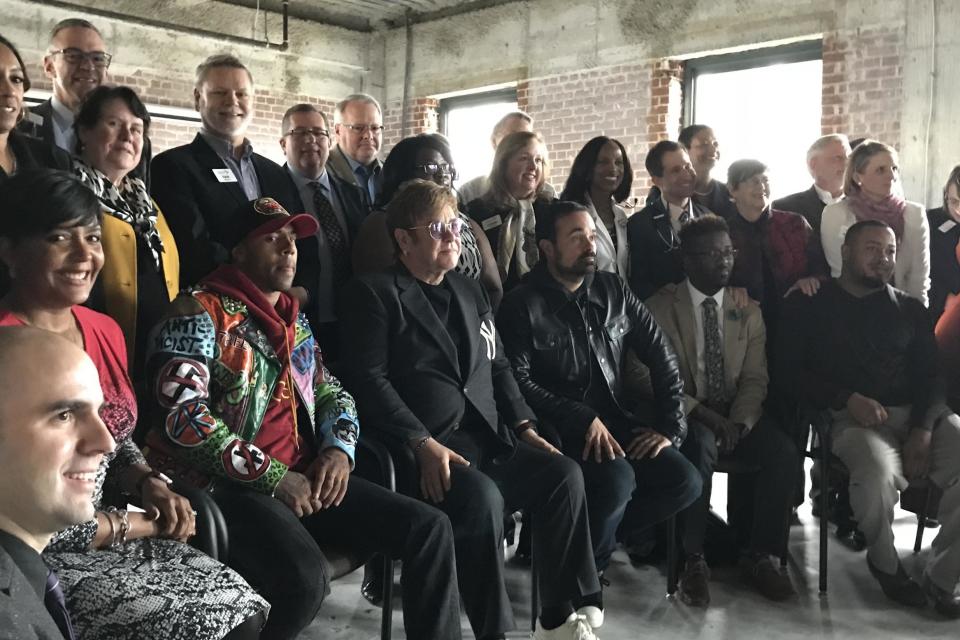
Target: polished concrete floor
(637, 607)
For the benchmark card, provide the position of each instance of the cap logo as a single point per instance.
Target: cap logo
(269, 207)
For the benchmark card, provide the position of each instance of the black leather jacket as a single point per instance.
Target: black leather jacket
(552, 338)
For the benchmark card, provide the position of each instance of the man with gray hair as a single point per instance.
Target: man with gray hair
(826, 161)
(52, 442)
(353, 162)
(198, 186)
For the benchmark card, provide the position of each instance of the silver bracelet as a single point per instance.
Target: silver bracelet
(121, 538)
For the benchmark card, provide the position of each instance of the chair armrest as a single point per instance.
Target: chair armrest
(406, 471)
(211, 537)
(374, 463)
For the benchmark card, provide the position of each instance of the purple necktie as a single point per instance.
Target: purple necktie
(54, 601)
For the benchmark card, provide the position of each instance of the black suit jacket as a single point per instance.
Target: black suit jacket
(806, 203)
(655, 258)
(199, 208)
(33, 153)
(403, 369)
(22, 613)
(39, 124)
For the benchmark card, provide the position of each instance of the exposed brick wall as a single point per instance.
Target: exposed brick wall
(638, 104)
(863, 83)
(422, 117)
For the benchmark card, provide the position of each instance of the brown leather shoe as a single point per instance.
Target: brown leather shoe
(694, 582)
(760, 571)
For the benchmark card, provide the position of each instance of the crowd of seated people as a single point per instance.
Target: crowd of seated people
(227, 327)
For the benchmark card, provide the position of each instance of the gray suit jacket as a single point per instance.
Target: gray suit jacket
(744, 349)
(22, 614)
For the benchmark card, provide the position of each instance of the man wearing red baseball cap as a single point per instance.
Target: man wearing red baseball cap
(248, 410)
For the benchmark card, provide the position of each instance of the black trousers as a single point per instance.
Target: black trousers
(280, 556)
(550, 488)
(766, 447)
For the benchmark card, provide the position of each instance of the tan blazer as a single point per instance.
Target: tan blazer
(744, 349)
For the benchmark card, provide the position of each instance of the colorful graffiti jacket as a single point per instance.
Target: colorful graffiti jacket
(212, 373)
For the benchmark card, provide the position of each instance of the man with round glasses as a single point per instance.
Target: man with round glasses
(353, 162)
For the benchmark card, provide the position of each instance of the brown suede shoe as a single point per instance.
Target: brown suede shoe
(694, 582)
(759, 571)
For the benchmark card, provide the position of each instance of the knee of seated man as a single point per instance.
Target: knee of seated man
(700, 446)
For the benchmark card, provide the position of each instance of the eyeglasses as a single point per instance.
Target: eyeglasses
(438, 228)
(713, 254)
(375, 129)
(435, 169)
(99, 59)
(303, 132)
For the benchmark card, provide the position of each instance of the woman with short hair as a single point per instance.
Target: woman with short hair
(142, 271)
(124, 574)
(870, 187)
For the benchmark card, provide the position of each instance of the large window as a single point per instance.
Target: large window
(762, 104)
(467, 121)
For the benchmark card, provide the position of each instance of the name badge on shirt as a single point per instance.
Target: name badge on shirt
(224, 175)
(946, 226)
(490, 223)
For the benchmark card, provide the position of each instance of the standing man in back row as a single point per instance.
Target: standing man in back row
(826, 161)
(353, 162)
(198, 186)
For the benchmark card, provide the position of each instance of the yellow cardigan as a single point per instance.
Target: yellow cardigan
(119, 274)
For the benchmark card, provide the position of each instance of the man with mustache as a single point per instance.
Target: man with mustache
(865, 352)
(249, 409)
(722, 354)
(566, 330)
(52, 442)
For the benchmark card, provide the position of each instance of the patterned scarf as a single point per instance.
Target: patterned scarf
(518, 239)
(889, 210)
(129, 202)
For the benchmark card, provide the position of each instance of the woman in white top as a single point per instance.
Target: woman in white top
(870, 187)
(600, 179)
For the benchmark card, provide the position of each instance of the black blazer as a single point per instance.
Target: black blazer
(655, 258)
(22, 613)
(806, 203)
(39, 124)
(32, 153)
(403, 369)
(944, 268)
(198, 207)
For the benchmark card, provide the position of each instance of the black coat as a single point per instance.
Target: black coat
(806, 203)
(22, 613)
(655, 258)
(33, 153)
(944, 267)
(556, 339)
(198, 207)
(39, 124)
(403, 369)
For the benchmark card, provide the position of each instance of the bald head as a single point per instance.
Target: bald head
(52, 440)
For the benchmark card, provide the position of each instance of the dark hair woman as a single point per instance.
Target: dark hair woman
(142, 271)
(19, 151)
(944, 244)
(601, 179)
(425, 157)
(50, 240)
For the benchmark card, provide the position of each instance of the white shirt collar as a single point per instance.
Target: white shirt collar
(825, 196)
(697, 297)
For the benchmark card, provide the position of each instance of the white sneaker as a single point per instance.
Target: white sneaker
(593, 616)
(575, 628)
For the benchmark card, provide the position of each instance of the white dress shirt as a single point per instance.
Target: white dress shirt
(63, 134)
(700, 377)
(825, 196)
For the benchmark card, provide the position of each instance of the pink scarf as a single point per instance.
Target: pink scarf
(890, 210)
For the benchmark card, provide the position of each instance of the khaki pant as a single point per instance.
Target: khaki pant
(872, 455)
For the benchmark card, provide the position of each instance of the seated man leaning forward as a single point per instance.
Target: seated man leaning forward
(250, 408)
(429, 372)
(567, 329)
(52, 442)
(866, 352)
(724, 367)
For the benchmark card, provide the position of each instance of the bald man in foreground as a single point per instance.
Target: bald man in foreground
(51, 444)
